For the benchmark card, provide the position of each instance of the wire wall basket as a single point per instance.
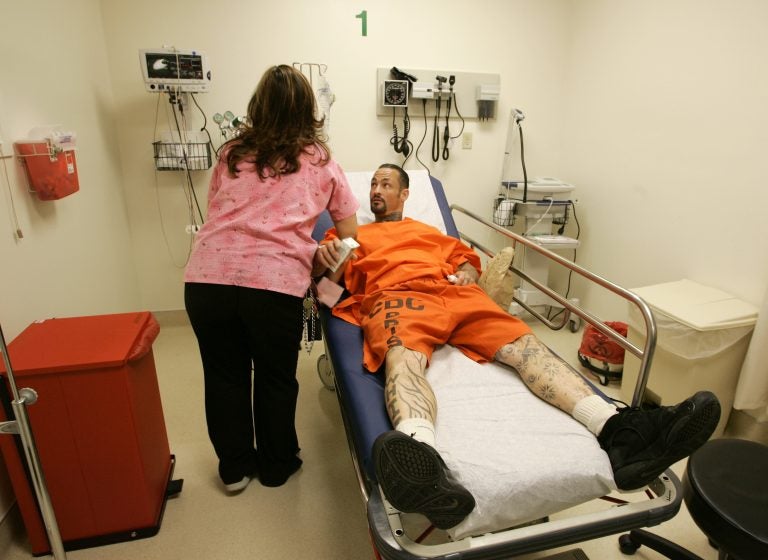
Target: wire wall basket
(172, 156)
(503, 211)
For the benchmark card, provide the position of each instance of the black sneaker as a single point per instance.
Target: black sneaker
(414, 479)
(642, 444)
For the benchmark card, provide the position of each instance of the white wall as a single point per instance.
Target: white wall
(666, 134)
(523, 41)
(655, 110)
(75, 257)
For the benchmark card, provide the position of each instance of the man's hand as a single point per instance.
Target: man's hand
(466, 274)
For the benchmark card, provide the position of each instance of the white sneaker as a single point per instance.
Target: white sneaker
(238, 486)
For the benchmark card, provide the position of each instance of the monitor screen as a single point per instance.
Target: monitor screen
(172, 69)
(183, 66)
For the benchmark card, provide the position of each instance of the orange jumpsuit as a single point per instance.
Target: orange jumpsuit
(400, 295)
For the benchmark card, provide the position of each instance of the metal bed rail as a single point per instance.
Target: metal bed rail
(645, 355)
(392, 542)
(22, 427)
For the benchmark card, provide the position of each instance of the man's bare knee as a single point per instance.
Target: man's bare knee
(517, 352)
(400, 356)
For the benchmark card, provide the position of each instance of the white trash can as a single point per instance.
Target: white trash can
(702, 338)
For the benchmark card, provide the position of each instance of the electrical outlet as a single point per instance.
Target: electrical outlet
(466, 141)
(192, 229)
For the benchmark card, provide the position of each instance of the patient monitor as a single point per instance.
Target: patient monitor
(175, 70)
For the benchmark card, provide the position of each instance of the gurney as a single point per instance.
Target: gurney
(530, 467)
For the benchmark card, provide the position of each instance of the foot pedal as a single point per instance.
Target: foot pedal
(174, 487)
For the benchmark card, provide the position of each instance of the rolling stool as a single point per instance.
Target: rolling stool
(725, 488)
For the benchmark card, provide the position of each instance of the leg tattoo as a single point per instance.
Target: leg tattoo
(407, 392)
(546, 375)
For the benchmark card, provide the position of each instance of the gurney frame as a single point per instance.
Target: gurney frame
(392, 542)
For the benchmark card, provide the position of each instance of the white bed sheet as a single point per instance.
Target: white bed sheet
(521, 458)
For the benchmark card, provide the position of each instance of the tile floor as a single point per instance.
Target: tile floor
(318, 514)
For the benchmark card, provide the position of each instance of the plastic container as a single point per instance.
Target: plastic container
(51, 172)
(98, 425)
(703, 335)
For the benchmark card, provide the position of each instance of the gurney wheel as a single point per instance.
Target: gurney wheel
(627, 545)
(325, 371)
(574, 324)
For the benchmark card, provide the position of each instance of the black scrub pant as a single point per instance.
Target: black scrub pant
(251, 422)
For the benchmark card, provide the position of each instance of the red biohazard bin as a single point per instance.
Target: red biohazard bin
(600, 354)
(98, 425)
(51, 174)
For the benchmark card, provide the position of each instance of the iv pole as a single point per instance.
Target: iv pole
(21, 426)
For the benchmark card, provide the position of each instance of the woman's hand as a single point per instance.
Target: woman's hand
(326, 257)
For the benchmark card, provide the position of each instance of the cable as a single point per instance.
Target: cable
(159, 207)
(401, 145)
(551, 202)
(446, 136)
(394, 141)
(187, 185)
(456, 105)
(436, 125)
(184, 182)
(205, 125)
(522, 162)
(446, 132)
(186, 164)
(570, 272)
(407, 146)
(436, 131)
(424, 110)
(576, 218)
(18, 233)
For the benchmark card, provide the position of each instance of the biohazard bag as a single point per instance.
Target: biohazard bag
(602, 355)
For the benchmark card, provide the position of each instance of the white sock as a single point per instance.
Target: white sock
(419, 429)
(593, 411)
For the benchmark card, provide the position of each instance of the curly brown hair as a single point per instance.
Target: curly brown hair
(282, 126)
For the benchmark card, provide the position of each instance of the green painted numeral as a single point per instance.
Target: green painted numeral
(364, 18)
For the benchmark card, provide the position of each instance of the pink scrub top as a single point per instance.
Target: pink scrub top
(258, 233)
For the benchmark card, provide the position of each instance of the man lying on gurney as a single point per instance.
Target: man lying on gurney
(413, 288)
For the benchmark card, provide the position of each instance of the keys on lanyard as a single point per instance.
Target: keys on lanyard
(310, 313)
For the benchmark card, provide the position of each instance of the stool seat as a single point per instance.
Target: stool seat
(725, 488)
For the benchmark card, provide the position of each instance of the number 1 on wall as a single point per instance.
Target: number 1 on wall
(364, 19)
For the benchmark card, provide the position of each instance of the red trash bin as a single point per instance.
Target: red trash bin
(98, 425)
